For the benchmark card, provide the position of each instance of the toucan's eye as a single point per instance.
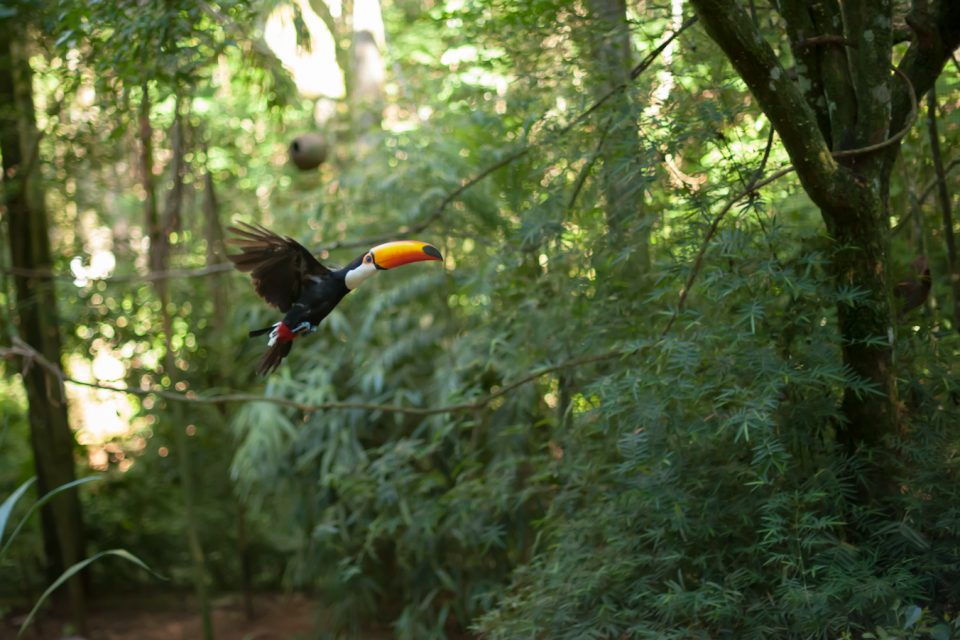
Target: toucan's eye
(368, 258)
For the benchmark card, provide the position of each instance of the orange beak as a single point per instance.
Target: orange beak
(394, 254)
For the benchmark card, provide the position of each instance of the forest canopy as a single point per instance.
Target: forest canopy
(687, 367)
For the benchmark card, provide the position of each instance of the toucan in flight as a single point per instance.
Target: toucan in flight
(286, 275)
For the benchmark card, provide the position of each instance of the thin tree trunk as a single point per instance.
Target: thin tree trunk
(151, 221)
(943, 197)
(368, 73)
(159, 261)
(37, 322)
(219, 287)
(621, 181)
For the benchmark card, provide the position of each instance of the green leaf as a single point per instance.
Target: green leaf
(39, 503)
(77, 568)
(940, 632)
(8, 505)
(913, 614)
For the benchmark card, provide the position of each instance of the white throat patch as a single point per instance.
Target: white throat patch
(356, 276)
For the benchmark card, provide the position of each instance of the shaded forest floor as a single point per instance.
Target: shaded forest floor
(276, 617)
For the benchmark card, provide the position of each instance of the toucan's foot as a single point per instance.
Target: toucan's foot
(304, 328)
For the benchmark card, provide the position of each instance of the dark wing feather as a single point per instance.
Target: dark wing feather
(278, 266)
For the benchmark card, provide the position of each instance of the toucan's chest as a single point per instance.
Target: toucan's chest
(318, 299)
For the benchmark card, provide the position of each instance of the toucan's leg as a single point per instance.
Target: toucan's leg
(304, 327)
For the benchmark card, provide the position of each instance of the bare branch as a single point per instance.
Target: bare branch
(754, 184)
(588, 165)
(936, 36)
(169, 274)
(30, 357)
(930, 186)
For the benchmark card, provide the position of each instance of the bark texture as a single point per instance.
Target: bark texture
(841, 100)
(36, 312)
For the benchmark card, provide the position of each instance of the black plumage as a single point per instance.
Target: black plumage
(287, 276)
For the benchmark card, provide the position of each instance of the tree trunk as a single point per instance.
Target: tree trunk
(368, 73)
(159, 262)
(837, 118)
(622, 187)
(946, 207)
(151, 217)
(37, 323)
(860, 235)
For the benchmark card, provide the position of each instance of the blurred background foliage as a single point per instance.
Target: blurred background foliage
(691, 486)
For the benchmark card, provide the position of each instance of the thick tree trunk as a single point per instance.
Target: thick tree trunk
(844, 100)
(839, 122)
(865, 321)
(37, 322)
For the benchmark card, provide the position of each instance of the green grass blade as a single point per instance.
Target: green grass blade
(7, 507)
(39, 503)
(77, 568)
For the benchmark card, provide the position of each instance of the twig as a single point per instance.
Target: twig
(130, 277)
(228, 24)
(33, 357)
(928, 189)
(588, 165)
(754, 184)
(439, 211)
(30, 356)
(911, 119)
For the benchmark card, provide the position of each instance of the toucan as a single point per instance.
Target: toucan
(289, 277)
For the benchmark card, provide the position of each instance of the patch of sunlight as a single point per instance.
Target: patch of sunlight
(104, 420)
(314, 71)
(98, 244)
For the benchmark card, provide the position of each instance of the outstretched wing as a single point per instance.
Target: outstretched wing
(278, 266)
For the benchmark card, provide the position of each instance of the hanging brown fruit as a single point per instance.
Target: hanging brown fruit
(308, 151)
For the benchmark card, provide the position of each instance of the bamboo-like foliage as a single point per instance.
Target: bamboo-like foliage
(644, 433)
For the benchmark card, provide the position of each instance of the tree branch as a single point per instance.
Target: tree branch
(804, 40)
(779, 97)
(30, 357)
(754, 184)
(868, 24)
(936, 36)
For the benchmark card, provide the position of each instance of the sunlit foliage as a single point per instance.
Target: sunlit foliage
(689, 485)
